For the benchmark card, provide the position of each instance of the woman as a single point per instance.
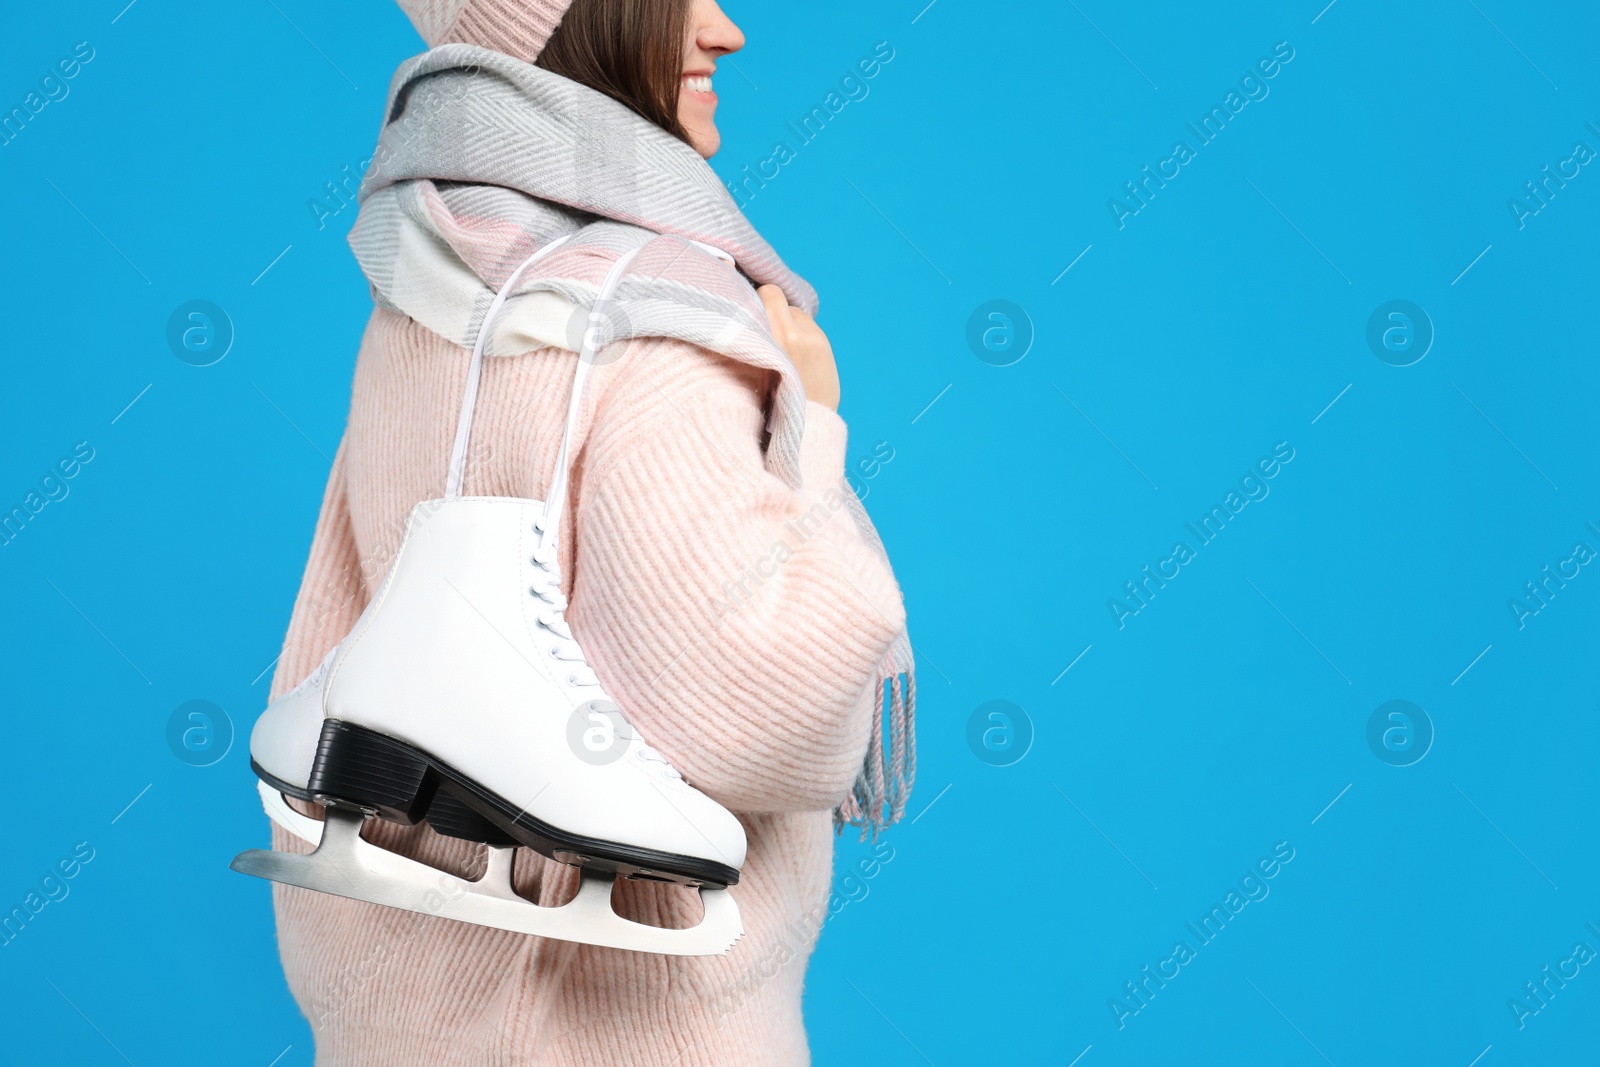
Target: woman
(718, 577)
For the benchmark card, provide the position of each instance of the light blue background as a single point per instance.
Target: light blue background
(1176, 751)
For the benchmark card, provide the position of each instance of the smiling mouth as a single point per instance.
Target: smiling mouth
(698, 83)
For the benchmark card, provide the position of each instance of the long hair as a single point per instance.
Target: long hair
(631, 50)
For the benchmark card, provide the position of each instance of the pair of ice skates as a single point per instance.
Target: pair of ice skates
(461, 698)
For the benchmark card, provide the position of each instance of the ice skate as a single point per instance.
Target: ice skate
(461, 698)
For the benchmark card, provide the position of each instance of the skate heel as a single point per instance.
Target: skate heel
(449, 816)
(360, 768)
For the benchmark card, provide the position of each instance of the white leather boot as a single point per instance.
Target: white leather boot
(461, 697)
(466, 677)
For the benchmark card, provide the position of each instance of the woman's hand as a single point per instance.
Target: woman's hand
(806, 345)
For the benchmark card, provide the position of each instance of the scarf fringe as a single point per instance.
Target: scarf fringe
(878, 799)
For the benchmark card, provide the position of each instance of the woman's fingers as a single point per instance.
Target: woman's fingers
(807, 347)
(777, 306)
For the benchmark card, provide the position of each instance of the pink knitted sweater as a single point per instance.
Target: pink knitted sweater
(740, 622)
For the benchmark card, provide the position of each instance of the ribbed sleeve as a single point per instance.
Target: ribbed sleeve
(741, 621)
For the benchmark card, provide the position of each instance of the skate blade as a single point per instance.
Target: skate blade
(346, 866)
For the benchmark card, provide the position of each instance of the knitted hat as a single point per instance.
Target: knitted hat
(518, 28)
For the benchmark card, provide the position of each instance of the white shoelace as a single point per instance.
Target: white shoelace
(315, 679)
(546, 585)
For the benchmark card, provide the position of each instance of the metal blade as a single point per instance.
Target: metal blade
(345, 865)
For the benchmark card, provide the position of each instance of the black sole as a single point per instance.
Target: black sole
(447, 815)
(299, 792)
(362, 768)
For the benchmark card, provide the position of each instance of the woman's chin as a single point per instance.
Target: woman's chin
(705, 139)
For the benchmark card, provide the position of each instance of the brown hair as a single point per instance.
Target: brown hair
(631, 50)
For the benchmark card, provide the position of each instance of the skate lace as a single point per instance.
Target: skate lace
(546, 586)
(315, 679)
(546, 581)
